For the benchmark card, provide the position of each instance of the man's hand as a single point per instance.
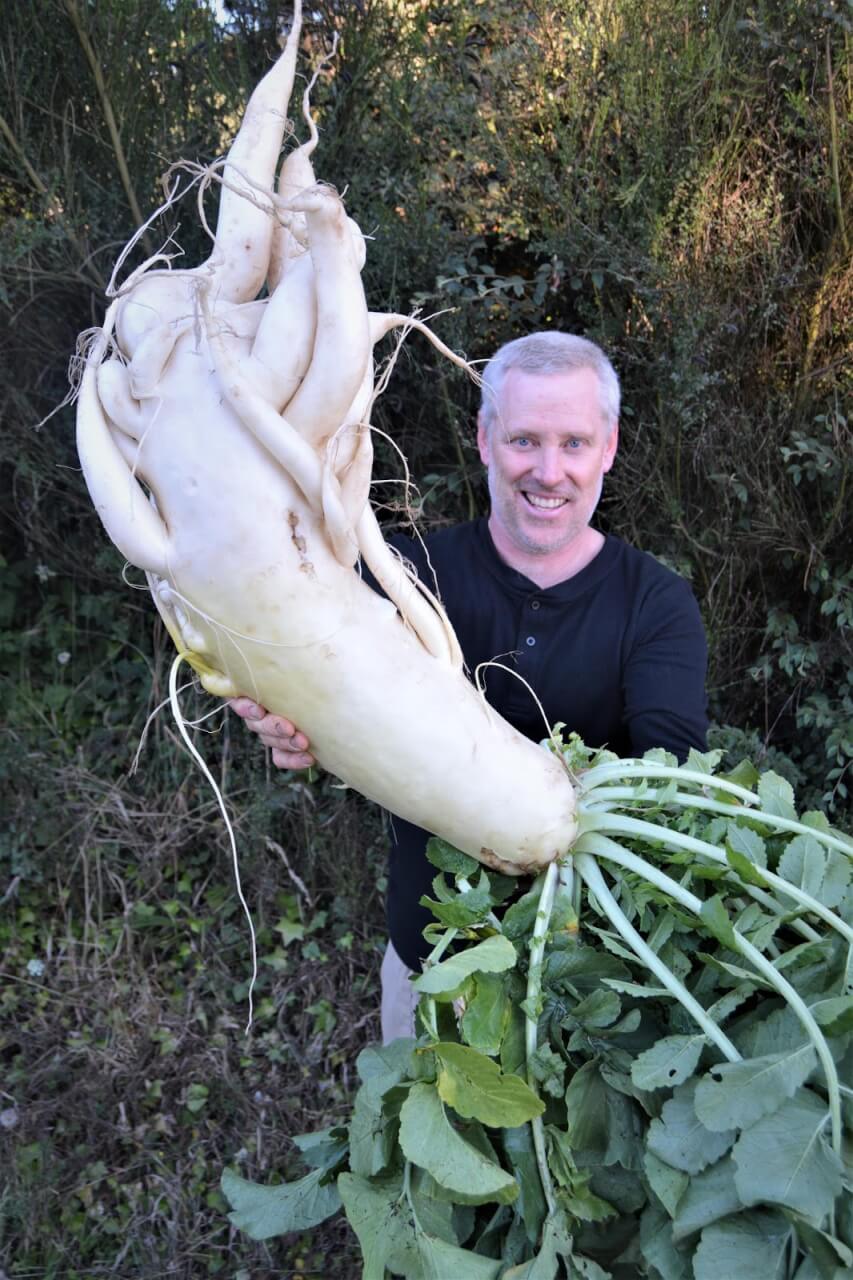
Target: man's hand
(288, 745)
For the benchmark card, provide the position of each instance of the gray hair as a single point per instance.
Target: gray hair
(549, 352)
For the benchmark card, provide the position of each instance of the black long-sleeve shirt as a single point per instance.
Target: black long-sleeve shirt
(617, 653)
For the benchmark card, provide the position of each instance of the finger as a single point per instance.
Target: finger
(277, 728)
(292, 759)
(247, 709)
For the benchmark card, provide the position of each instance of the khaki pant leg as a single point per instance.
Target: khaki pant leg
(399, 998)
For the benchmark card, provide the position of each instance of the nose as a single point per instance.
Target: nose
(549, 467)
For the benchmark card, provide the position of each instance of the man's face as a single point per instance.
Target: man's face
(547, 449)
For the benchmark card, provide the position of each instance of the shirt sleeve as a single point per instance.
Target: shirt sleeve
(664, 672)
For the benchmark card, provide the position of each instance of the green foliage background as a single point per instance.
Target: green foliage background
(672, 180)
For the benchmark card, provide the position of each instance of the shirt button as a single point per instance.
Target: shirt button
(534, 604)
(531, 639)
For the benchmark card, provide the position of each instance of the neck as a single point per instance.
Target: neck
(547, 568)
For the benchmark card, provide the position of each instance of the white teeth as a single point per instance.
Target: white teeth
(547, 503)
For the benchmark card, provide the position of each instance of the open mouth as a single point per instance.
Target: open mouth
(539, 502)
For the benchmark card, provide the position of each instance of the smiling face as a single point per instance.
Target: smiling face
(547, 449)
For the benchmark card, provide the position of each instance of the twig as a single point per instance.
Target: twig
(107, 107)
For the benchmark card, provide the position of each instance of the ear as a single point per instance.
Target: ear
(482, 440)
(611, 447)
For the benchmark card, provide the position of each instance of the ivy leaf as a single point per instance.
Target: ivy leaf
(493, 955)
(744, 1247)
(477, 1090)
(668, 1062)
(428, 1139)
(270, 1211)
(733, 1095)
(450, 859)
(680, 1139)
(785, 1159)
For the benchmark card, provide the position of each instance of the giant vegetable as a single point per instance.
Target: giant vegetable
(225, 441)
(248, 423)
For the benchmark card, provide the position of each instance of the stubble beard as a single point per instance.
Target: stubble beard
(548, 542)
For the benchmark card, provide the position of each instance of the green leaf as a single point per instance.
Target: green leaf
(382, 1220)
(748, 843)
(441, 1260)
(743, 1248)
(447, 858)
(371, 1135)
(680, 1139)
(586, 1108)
(711, 1195)
(582, 968)
(802, 864)
(477, 1090)
(493, 955)
(636, 989)
(668, 1062)
(786, 1159)
(743, 868)
(323, 1149)
(271, 1211)
(834, 1015)
(824, 874)
(659, 1249)
(519, 919)
(744, 774)
(602, 1124)
(384, 1065)
(428, 1139)
(556, 1243)
(598, 1009)
(521, 1155)
(733, 1095)
(776, 795)
(667, 1183)
(716, 920)
(549, 1070)
(460, 913)
(703, 761)
(487, 1013)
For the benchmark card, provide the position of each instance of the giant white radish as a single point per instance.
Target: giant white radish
(257, 513)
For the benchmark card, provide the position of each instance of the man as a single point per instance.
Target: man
(611, 642)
